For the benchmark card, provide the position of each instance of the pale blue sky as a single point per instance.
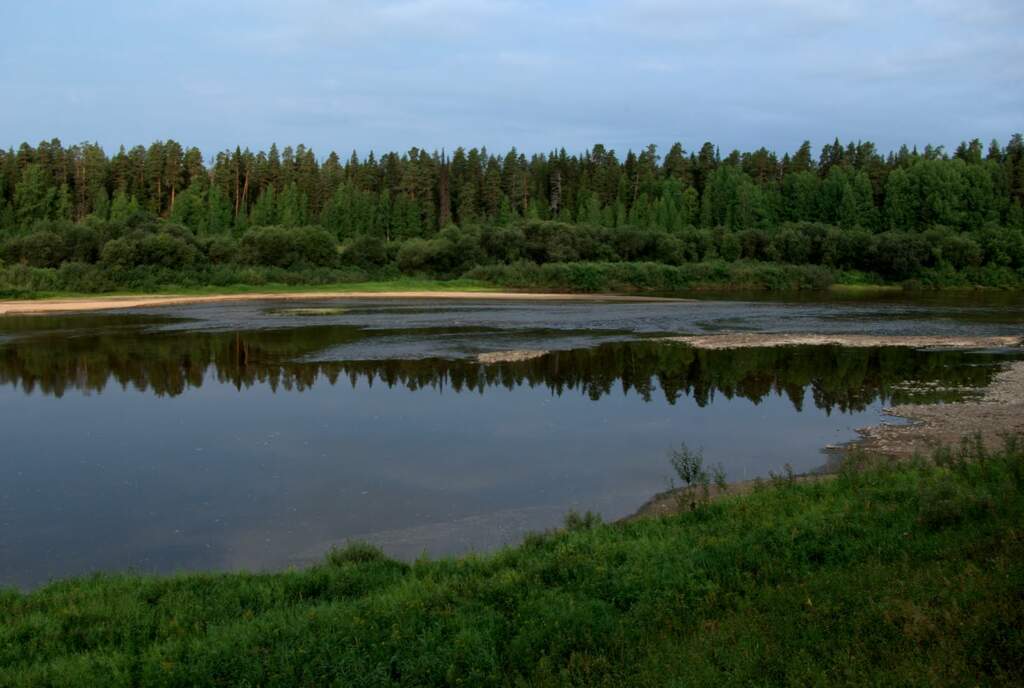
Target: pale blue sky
(390, 74)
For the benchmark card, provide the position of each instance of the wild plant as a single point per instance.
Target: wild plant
(695, 488)
(785, 479)
(574, 520)
(718, 475)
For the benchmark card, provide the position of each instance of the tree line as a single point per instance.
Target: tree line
(848, 208)
(417, 193)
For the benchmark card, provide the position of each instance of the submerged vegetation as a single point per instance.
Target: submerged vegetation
(73, 219)
(902, 574)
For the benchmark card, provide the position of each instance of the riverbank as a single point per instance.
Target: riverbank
(904, 573)
(986, 421)
(747, 340)
(998, 413)
(367, 290)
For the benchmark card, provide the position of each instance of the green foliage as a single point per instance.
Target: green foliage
(400, 196)
(695, 479)
(597, 277)
(44, 249)
(574, 520)
(919, 219)
(355, 553)
(288, 247)
(35, 198)
(895, 574)
(366, 252)
(123, 206)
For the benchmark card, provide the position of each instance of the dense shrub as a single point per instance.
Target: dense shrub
(118, 254)
(43, 249)
(503, 244)
(900, 255)
(595, 277)
(84, 277)
(140, 251)
(365, 252)
(82, 244)
(221, 250)
(288, 247)
(165, 250)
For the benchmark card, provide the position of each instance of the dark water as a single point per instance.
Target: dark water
(257, 435)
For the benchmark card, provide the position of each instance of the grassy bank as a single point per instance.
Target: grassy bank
(369, 287)
(896, 575)
(620, 277)
(23, 281)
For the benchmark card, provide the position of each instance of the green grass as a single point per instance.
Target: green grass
(404, 284)
(74, 280)
(863, 289)
(892, 575)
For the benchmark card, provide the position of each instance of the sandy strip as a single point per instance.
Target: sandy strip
(511, 356)
(26, 307)
(744, 340)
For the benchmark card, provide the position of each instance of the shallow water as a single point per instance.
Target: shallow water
(254, 435)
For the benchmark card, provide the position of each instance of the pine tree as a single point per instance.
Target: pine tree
(190, 208)
(802, 160)
(901, 203)
(219, 212)
(689, 213)
(505, 212)
(101, 205)
(676, 166)
(264, 211)
(292, 206)
(63, 206)
(35, 198)
(467, 208)
(123, 206)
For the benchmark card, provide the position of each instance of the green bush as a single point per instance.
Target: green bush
(595, 277)
(166, 251)
(118, 254)
(44, 249)
(143, 252)
(366, 252)
(221, 250)
(288, 247)
(84, 277)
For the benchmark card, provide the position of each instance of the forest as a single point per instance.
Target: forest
(75, 219)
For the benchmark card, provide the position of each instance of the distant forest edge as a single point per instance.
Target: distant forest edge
(75, 219)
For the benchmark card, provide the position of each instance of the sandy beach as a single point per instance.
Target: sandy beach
(98, 303)
(997, 414)
(744, 340)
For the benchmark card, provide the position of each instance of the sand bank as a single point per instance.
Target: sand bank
(510, 356)
(96, 303)
(999, 412)
(743, 340)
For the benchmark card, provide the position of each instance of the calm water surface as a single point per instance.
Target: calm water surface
(256, 435)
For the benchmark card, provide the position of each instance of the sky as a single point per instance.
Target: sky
(387, 75)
